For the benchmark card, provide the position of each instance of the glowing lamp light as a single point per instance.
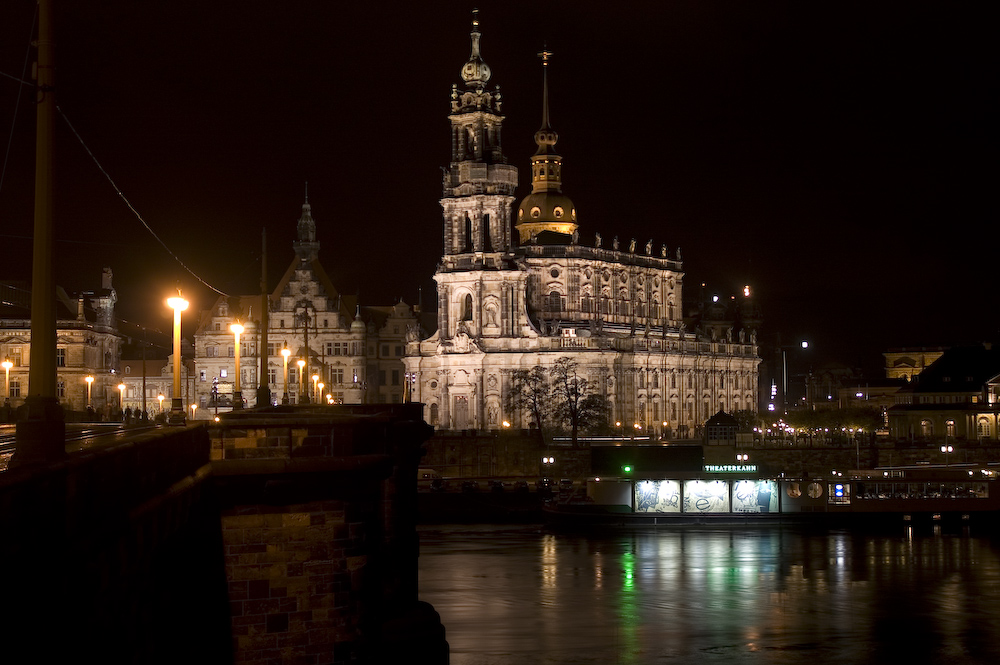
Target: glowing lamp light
(177, 304)
(746, 291)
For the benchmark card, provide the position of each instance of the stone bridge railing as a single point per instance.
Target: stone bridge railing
(114, 553)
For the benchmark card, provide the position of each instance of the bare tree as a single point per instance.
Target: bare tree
(529, 391)
(573, 400)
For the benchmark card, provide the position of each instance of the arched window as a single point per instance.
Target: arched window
(983, 428)
(949, 428)
(555, 302)
(468, 234)
(487, 240)
(434, 414)
(926, 428)
(467, 307)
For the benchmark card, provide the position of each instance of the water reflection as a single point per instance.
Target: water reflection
(519, 594)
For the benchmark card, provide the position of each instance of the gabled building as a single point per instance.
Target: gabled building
(956, 397)
(354, 351)
(508, 303)
(88, 344)
(907, 362)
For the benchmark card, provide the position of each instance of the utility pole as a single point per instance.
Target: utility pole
(263, 389)
(41, 432)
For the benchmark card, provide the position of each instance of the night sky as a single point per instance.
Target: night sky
(835, 156)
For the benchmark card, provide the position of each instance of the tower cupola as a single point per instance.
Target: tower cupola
(476, 73)
(546, 208)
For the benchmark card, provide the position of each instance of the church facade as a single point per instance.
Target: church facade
(506, 303)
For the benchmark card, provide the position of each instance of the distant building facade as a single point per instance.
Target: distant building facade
(613, 307)
(956, 397)
(907, 362)
(354, 351)
(155, 376)
(88, 343)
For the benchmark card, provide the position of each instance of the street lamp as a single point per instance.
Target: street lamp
(947, 450)
(319, 391)
(90, 382)
(177, 417)
(159, 398)
(7, 364)
(237, 329)
(194, 407)
(303, 395)
(121, 397)
(315, 394)
(285, 352)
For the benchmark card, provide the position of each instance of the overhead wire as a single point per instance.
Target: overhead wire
(17, 102)
(132, 208)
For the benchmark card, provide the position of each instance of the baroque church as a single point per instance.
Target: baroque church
(507, 303)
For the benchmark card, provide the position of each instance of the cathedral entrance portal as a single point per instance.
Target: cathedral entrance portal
(461, 412)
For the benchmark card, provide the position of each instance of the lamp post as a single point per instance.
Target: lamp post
(121, 397)
(315, 392)
(7, 364)
(159, 398)
(319, 392)
(947, 450)
(177, 416)
(303, 396)
(237, 329)
(194, 408)
(305, 361)
(804, 344)
(90, 382)
(285, 352)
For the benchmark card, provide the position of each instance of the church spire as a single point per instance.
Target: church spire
(546, 208)
(545, 137)
(476, 73)
(306, 246)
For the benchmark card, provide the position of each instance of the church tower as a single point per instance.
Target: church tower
(478, 184)
(306, 246)
(546, 208)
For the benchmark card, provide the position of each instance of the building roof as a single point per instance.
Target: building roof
(959, 369)
(722, 419)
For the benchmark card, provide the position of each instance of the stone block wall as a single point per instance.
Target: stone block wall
(319, 533)
(296, 579)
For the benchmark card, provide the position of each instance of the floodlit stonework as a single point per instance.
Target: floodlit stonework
(613, 307)
(355, 351)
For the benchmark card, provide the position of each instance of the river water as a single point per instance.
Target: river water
(521, 594)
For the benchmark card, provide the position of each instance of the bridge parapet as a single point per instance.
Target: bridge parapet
(319, 532)
(114, 551)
